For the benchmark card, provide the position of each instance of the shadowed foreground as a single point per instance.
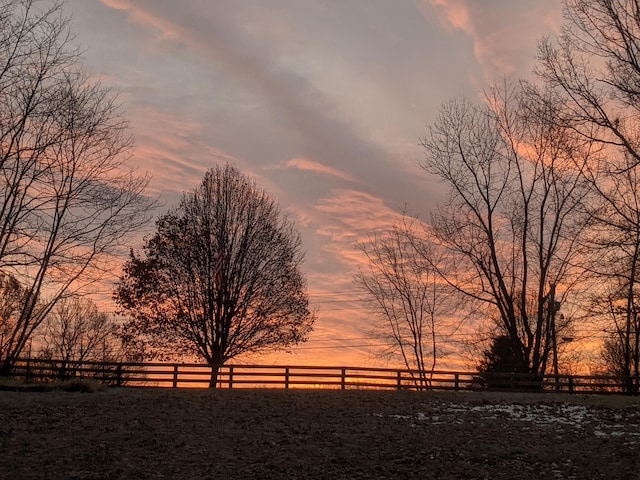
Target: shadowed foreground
(185, 434)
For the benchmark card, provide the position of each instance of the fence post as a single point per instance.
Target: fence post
(27, 375)
(570, 384)
(343, 380)
(286, 378)
(175, 376)
(119, 375)
(456, 381)
(63, 370)
(399, 380)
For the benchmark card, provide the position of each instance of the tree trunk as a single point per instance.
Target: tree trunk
(213, 382)
(5, 368)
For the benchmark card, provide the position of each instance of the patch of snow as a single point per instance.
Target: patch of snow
(538, 414)
(560, 416)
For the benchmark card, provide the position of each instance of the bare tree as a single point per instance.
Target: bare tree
(68, 201)
(75, 331)
(615, 359)
(594, 69)
(12, 296)
(595, 65)
(514, 211)
(219, 278)
(411, 301)
(35, 53)
(610, 304)
(615, 243)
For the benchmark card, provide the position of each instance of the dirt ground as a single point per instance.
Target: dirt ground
(294, 434)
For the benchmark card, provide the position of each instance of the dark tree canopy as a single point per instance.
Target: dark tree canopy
(500, 356)
(220, 277)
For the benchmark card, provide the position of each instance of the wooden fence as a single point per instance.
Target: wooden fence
(195, 375)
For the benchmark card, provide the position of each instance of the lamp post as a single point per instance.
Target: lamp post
(553, 308)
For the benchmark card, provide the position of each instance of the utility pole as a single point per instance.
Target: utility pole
(554, 340)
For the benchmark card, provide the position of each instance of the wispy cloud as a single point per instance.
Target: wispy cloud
(143, 17)
(321, 102)
(358, 211)
(455, 13)
(316, 167)
(504, 34)
(349, 217)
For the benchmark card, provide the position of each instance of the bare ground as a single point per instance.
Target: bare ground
(279, 434)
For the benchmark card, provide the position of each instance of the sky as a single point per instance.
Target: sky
(322, 102)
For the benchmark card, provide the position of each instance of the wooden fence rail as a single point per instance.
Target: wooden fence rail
(178, 375)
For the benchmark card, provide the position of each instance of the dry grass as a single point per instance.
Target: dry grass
(278, 434)
(72, 385)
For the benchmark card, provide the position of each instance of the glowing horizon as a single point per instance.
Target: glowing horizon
(322, 106)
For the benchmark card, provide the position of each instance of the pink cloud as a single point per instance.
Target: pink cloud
(357, 211)
(169, 146)
(455, 12)
(141, 16)
(504, 35)
(316, 167)
(349, 217)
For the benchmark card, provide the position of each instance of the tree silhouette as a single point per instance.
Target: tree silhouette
(405, 293)
(515, 208)
(594, 67)
(219, 278)
(68, 202)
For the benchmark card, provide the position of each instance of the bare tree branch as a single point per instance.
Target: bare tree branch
(68, 204)
(412, 303)
(516, 206)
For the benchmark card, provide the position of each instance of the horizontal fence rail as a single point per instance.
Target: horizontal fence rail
(196, 375)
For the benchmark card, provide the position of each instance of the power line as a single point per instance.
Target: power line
(341, 292)
(328, 347)
(339, 301)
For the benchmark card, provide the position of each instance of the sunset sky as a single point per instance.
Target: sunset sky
(322, 102)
